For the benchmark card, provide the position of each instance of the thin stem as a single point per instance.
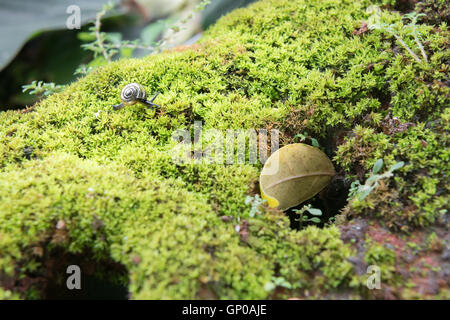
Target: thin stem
(99, 36)
(422, 50)
(416, 38)
(407, 48)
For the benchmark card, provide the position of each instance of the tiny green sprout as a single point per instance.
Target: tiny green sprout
(331, 220)
(255, 202)
(304, 218)
(414, 17)
(42, 88)
(377, 166)
(299, 137)
(303, 136)
(314, 142)
(375, 24)
(277, 282)
(360, 192)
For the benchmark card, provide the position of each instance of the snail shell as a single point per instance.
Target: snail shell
(132, 93)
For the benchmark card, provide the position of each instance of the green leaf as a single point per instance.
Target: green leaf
(315, 220)
(377, 166)
(365, 193)
(86, 36)
(315, 212)
(299, 137)
(372, 179)
(397, 166)
(269, 286)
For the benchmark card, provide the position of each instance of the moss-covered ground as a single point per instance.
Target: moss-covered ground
(77, 178)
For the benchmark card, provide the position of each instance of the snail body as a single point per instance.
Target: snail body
(133, 93)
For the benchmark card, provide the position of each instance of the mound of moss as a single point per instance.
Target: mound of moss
(78, 177)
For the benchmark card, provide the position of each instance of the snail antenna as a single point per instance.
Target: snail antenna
(154, 97)
(118, 106)
(150, 103)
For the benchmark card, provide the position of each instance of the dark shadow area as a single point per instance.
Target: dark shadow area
(330, 201)
(405, 6)
(52, 56)
(103, 279)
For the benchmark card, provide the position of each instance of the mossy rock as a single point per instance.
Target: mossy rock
(77, 177)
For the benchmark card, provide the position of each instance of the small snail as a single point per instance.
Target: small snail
(132, 93)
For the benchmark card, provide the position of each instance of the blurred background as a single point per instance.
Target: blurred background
(40, 40)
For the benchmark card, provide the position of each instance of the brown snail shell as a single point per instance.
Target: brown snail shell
(132, 93)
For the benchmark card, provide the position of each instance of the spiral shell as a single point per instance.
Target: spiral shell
(131, 93)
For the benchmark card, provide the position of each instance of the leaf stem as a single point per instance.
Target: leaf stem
(407, 48)
(422, 50)
(99, 36)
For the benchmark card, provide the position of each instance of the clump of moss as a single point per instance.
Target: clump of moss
(435, 11)
(382, 257)
(108, 177)
(156, 229)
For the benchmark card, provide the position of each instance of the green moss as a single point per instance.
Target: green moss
(176, 235)
(292, 65)
(8, 295)
(436, 11)
(383, 258)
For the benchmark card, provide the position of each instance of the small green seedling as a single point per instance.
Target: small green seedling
(255, 202)
(304, 218)
(302, 137)
(277, 282)
(360, 192)
(411, 29)
(41, 88)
